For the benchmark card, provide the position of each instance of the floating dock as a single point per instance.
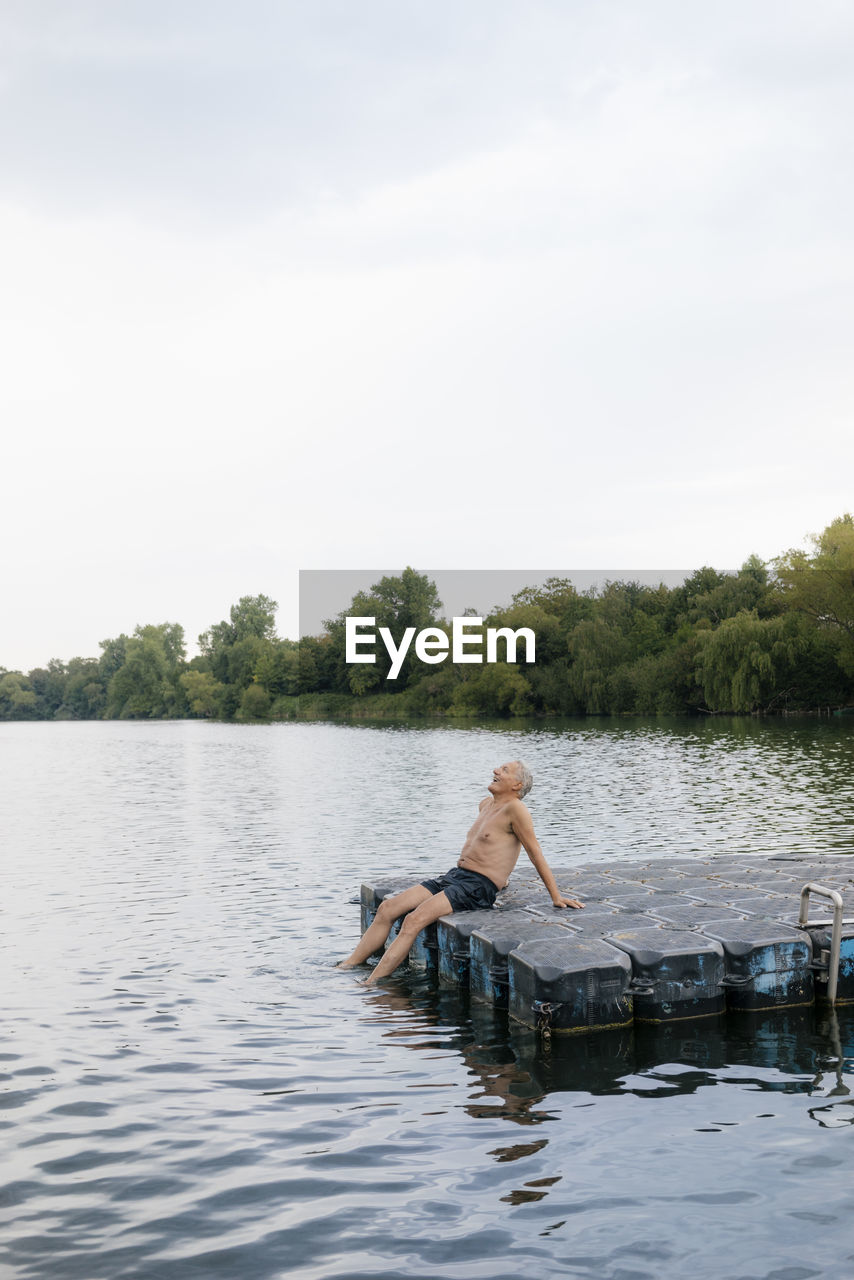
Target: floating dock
(658, 941)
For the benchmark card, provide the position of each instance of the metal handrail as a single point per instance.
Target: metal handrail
(836, 932)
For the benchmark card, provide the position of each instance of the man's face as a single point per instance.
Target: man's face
(505, 777)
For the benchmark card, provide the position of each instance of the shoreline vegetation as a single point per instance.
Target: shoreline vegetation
(771, 639)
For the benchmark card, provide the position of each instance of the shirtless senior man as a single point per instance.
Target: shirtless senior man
(489, 854)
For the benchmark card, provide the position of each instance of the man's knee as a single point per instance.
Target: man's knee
(386, 911)
(412, 924)
(424, 914)
(391, 909)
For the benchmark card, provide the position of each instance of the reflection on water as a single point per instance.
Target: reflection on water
(189, 1088)
(802, 1050)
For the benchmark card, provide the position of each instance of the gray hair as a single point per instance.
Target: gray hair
(523, 773)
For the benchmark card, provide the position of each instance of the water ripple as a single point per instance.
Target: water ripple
(189, 1089)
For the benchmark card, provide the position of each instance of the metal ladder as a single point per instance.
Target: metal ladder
(828, 963)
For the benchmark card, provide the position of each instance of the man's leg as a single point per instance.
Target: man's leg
(429, 910)
(389, 910)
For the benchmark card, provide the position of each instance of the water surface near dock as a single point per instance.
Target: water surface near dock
(190, 1089)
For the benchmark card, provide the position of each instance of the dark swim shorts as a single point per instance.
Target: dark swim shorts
(465, 890)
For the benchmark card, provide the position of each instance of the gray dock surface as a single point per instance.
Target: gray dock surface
(658, 941)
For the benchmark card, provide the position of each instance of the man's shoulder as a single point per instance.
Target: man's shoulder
(517, 809)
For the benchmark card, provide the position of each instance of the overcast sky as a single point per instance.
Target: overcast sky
(554, 283)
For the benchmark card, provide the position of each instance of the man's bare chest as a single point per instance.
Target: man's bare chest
(491, 828)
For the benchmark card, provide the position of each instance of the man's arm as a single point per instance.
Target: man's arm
(523, 827)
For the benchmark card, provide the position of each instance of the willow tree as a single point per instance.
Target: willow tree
(737, 663)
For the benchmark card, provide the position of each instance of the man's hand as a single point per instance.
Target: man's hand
(567, 902)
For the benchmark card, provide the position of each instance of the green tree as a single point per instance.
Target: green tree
(18, 700)
(113, 654)
(652, 685)
(233, 649)
(49, 686)
(410, 600)
(551, 689)
(234, 646)
(317, 665)
(147, 684)
(434, 692)
(254, 703)
(277, 667)
(745, 662)
(253, 617)
(725, 595)
(85, 694)
(820, 584)
(597, 647)
(495, 689)
(545, 624)
(202, 691)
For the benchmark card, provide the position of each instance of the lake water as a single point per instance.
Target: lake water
(188, 1088)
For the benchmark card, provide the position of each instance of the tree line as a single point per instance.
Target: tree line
(771, 638)
(241, 671)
